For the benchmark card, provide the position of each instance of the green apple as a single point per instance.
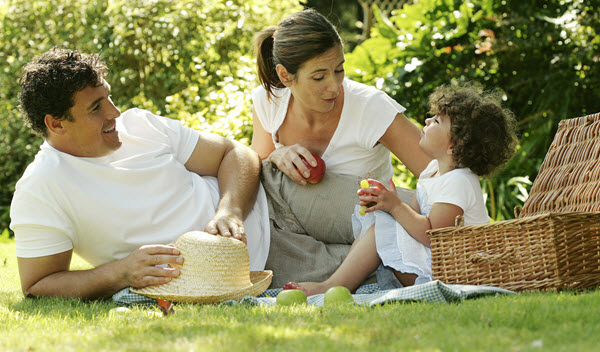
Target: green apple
(338, 295)
(119, 311)
(291, 297)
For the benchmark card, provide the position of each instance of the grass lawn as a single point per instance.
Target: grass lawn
(566, 321)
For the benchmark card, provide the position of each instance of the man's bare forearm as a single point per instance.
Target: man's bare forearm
(49, 276)
(238, 180)
(97, 283)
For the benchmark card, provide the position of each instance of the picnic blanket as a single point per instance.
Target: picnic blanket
(370, 295)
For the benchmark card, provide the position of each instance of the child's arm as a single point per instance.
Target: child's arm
(441, 215)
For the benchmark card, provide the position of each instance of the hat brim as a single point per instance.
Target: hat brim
(260, 282)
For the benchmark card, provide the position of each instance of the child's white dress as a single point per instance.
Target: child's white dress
(396, 247)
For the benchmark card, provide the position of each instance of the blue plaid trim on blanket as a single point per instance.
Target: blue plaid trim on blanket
(433, 291)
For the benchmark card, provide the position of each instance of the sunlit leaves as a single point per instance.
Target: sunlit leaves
(190, 60)
(543, 54)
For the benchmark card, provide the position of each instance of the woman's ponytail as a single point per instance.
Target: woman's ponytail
(263, 49)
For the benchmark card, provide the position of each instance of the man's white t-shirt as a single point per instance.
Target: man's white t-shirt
(104, 208)
(353, 149)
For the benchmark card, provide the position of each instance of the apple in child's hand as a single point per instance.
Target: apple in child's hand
(317, 172)
(291, 297)
(362, 211)
(338, 295)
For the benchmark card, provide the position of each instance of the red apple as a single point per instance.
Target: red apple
(317, 172)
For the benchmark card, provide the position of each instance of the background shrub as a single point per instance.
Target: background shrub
(189, 60)
(543, 54)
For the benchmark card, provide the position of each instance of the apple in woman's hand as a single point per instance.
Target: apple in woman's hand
(317, 172)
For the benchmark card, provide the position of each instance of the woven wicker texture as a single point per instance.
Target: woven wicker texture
(215, 269)
(555, 242)
(569, 178)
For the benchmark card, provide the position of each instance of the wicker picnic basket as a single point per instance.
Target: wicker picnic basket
(554, 243)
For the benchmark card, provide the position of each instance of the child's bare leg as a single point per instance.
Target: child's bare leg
(406, 279)
(361, 261)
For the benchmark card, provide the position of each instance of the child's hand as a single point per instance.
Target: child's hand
(379, 197)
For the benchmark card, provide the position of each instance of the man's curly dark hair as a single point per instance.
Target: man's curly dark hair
(482, 132)
(50, 81)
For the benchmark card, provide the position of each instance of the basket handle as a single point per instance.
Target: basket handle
(506, 257)
(459, 221)
(517, 211)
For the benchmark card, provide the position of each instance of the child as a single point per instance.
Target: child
(469, 136)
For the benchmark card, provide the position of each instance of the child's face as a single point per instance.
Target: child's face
(435, 137)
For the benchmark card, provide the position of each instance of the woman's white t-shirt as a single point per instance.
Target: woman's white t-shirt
(354, 149)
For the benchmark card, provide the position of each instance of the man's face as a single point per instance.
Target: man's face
(92, 133)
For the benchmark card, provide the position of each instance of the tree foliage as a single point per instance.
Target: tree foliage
(189, 60)
(543, 54)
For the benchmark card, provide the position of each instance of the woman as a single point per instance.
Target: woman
(304, 105)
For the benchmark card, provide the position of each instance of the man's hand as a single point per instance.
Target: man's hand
(142, 269)
(227, 225)
(50, 276)
(237, 169)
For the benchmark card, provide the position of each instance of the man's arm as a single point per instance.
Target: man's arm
(237, 168)
(50, 276)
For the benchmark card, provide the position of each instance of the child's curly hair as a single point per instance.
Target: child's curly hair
(482, 132)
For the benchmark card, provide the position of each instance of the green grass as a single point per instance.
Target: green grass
(566, 321)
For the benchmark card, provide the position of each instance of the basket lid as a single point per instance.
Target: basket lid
(569, 178)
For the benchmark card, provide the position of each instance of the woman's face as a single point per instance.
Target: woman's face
(318, 82)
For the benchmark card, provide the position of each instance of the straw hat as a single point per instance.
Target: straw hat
(215, 269)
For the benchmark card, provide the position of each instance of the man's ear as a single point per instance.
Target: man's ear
(450, 150)
(54, 126)
(284, 76)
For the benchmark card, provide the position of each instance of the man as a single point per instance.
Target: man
(118, 188)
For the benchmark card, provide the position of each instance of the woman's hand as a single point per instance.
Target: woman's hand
(385, 199)
(288, 160)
